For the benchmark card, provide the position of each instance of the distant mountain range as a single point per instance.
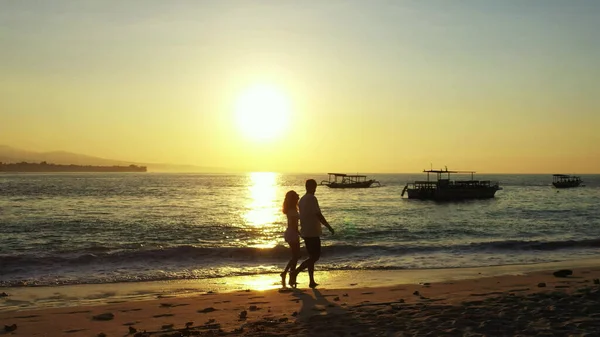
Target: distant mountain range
(13, 155)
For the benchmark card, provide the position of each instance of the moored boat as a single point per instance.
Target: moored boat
(565, 181)
(445, 189)
(342, 180)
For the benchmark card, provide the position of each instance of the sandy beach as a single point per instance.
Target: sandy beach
(495, 301)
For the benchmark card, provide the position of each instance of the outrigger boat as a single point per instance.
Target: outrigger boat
(446, 189)
(565, 181)
(342, 180)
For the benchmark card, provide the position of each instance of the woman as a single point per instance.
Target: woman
(292, 235)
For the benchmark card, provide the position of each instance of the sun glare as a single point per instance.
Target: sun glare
(259, 282)
(262, 112)
(263, 191)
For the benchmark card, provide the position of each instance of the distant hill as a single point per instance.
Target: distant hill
(13, 155)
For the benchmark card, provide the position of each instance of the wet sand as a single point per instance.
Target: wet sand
(475, 302)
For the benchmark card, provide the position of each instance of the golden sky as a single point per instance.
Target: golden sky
(307, 86)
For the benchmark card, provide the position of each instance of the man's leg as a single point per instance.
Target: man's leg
(315, 254)
(313, 247)
(311, 273)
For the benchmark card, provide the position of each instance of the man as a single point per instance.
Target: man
(311, 220)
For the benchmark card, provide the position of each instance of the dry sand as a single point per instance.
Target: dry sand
(532, 304)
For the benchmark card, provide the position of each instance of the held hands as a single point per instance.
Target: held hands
(331, 230)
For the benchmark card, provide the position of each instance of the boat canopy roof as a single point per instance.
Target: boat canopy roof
(446, 171)
(563, 175)
(346, 175)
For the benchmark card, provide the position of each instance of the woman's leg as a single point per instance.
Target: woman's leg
(291, 266)
(295, 247)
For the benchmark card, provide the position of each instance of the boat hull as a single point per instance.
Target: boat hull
(362, 184)
(452, 194)
(566, 184)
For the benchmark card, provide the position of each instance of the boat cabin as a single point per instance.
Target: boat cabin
(565, 180)
(442, 188)
(342, 180)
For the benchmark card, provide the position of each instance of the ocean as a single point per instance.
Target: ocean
(96, 228)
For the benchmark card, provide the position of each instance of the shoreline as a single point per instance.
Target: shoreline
(499, 301)
(43, 297)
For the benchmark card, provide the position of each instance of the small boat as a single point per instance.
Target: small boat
(342, 180)
(565, 181)
(445, 189)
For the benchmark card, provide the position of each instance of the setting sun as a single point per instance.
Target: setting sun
(262, 112)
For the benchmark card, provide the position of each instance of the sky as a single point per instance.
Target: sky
(365, 86)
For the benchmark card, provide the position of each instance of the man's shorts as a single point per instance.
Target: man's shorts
(313, 247)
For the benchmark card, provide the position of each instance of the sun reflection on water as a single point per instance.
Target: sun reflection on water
(263, 206)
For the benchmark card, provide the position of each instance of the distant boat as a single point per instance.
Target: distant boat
(445, 189)
(565, 181)
(342, 180)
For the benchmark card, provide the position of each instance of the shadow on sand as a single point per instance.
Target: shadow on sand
(320, 317)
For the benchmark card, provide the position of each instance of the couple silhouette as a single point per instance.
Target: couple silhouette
(306, 211)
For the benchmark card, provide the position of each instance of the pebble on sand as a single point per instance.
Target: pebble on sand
(107, 316)
(9, 328)
(563, 273)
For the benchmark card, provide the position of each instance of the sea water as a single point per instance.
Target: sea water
(78, 228)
